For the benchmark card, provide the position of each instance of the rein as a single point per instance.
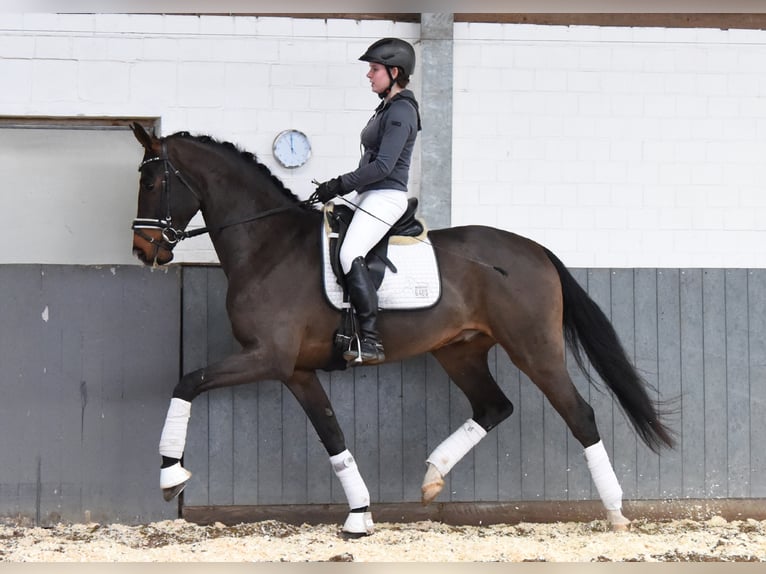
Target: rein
(172, 235)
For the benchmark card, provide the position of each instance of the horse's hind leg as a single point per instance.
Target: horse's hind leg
(307, 389)
(550, 375)
(466, 364)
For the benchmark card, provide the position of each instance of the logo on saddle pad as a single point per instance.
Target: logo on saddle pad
(414, 281)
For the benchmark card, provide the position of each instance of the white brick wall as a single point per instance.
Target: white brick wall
(615, 147)
(612, 146)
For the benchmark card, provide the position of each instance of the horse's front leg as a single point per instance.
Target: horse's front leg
(309, 392)
(236, 369)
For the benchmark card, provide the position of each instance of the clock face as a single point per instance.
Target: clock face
(292, 148)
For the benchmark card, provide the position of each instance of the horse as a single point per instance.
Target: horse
(498, 288)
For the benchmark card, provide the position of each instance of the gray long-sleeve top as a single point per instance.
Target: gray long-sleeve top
(387, 143)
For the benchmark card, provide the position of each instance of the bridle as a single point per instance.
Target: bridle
(170, 234)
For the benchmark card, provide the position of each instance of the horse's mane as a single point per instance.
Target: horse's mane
(244, 154)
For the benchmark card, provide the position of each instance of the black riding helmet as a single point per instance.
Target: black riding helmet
(391, 52)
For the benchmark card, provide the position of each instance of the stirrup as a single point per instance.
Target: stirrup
(364, 350)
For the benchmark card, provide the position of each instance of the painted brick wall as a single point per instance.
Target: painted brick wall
(241, 79)
(615, 147)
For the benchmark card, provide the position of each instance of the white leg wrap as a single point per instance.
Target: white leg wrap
(173, 438)
(359, 523)
(603, 476)
(456, 446)
(346, 470)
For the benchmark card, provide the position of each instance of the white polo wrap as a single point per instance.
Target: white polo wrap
(353, 485)
(456, 446)
(173, 438)
(603, 476)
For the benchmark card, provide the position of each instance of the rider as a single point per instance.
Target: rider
(380, 180)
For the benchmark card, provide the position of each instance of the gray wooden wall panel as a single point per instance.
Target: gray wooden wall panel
(697, 336)
(87, 355)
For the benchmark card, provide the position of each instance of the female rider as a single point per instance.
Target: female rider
(380, 180)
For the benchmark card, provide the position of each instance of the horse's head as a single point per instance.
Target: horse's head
(166, 202)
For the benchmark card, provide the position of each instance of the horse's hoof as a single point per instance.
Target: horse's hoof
(433, 483)
(170, 493)
(617, 521)
(173, 479)
(358, 524)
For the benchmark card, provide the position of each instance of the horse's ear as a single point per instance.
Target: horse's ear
(150, 143)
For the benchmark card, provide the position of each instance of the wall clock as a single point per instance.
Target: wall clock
(292, 148)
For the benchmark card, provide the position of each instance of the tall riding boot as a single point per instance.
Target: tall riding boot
(364, 298)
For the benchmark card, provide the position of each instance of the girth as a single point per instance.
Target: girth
(339, 218)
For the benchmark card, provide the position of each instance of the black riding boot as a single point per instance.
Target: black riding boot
(364, 298)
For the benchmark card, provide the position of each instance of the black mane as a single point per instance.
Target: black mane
(244, 154)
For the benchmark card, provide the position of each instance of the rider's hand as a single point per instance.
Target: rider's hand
(327, 190)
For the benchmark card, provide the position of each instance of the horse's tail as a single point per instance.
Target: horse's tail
(587, 327)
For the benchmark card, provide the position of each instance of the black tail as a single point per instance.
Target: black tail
(586, 327)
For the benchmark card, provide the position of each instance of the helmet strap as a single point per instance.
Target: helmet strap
(383, 95)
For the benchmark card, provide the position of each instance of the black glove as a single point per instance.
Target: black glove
(327, 190)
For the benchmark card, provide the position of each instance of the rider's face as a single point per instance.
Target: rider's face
(378, 76)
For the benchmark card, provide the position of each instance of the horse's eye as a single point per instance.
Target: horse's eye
(148, 184)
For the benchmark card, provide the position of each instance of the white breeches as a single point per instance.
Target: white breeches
(378, 210)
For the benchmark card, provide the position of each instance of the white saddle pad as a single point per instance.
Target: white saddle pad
(415, 285)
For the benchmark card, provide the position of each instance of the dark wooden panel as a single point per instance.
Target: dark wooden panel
(87, 357)
(394, 415)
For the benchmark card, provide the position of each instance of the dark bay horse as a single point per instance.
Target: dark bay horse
(497, 288)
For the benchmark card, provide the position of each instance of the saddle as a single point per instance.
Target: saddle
(338, 219)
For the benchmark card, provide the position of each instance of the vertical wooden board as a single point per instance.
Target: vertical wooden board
(531, 407)
(366, 444)
(28, 394)
(646, 344)
(245, 444)
(669, 371)
(194, 344)
(715, 425)
(486, 453)
(509, 432)
(414, 426)
(270, 446)
(555, 454)
(295, 444)
(692, 382)
(624, 323)
(600, 290)
(579, 483)
(737, 384)
(669, 337)
(220, 401)
(462, 484)
(342, 399)
(391, 444)
(437, 409)
(319, 473)
(757, 347)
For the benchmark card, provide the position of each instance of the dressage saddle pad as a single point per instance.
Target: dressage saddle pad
(414, 285)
